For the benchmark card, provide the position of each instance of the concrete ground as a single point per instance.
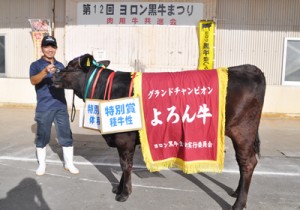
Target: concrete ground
(275, 184)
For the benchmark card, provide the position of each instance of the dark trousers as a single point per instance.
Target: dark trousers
(44, 122)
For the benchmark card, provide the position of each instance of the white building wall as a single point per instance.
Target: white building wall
(253, 31)
(248, 31)
(15, 86)
(129, 47)
(14, 15)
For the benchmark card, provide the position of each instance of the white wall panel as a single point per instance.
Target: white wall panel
(164, 47)
(253, 31)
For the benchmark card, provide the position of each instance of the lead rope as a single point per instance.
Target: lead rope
(96, 81)
(91, 78)
(89, 83)
(73, 111)
(109, 83)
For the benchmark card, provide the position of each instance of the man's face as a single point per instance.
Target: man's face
(49, 51)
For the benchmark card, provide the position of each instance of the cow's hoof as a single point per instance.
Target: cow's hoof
(234, 194)
(116, 190)
(121, 198)
(235, 208)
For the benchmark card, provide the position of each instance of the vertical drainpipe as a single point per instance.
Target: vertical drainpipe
(53, 17)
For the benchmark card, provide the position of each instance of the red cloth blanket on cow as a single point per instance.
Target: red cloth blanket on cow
(183, 119)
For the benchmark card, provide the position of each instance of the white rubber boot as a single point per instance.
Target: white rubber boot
(68, 158)
(41, 156)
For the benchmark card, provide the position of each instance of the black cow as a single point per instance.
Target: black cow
(244, 102)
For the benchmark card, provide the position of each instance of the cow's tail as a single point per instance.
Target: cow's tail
(257, 145)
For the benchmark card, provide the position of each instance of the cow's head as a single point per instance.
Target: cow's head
(75, 74)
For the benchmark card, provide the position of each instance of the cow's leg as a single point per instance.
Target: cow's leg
(126, 162)
(243, 142)
(126, 148)
(118, 189)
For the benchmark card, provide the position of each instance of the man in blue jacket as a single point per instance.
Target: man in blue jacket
(51, 107)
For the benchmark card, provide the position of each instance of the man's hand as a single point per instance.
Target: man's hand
(50, 69)
(36, 79)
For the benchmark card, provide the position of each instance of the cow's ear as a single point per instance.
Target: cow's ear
(105, 63)
(86, 62)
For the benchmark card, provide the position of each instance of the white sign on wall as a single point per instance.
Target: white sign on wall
(139, 13)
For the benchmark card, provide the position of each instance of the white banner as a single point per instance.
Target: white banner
(139, 13)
